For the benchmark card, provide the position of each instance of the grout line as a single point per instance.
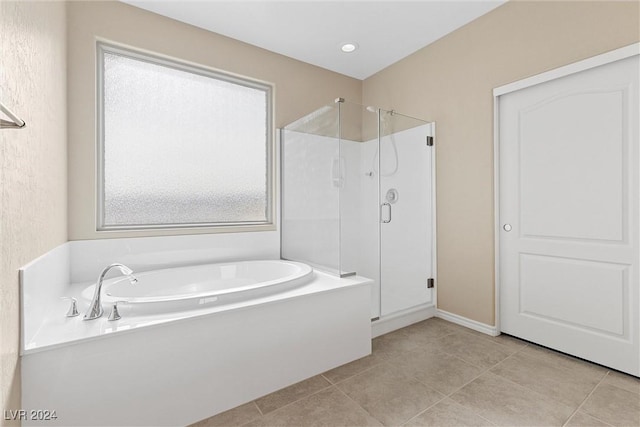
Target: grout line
(328, 380)
(567, 356)
(456, 403)
(360, 373)
(410, 376)
(485, 337)
(259, 410)
(256, 418)
(488, 338)
(478, 366)
(482, 371)
(358, 404)
(475, 378)
(587, 398)
(622, 388)
(448, 396)
(594, 417)
(562, 356)
(468, 332)
(468, 382)
(565, 369)
(426, 409)
(295, 401)
(491, 423)
(390, 360)
(507, 358)
(485, 370)
(539, 393)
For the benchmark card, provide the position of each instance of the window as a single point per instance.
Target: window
(180, 145)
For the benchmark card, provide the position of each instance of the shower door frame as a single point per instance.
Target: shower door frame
(406, 316)
(399, 319)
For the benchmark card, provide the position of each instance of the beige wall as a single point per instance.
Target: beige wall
(451, 83)
(33, 160)
(300, 88)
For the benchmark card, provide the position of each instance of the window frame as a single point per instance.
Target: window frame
(103, 47)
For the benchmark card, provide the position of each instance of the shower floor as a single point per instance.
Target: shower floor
(436, 373)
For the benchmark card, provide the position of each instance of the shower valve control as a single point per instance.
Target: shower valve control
(392, 195)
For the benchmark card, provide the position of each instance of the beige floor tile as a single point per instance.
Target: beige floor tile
(624, 381)
(544, 375)
(233, 417)
(614, 405)
(563, 360)
(350, 369)
(448, 413)
(393, 344)
(409, 369)
(389, 394)
(441, 371)
(292, 393)
(506, 403)
(512, 343)
(329, 407)
(580, 419)
(472, 349)
(444, 322)
(428, 330)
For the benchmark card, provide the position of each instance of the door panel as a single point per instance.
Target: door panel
(582, 184)
(549, 285)
(569, 191)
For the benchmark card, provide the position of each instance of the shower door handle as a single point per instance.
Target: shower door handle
(385, 221)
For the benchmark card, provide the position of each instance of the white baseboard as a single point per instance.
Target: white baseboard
(399, 320)
(468, 323)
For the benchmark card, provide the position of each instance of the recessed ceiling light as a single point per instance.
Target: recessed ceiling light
(348, 47)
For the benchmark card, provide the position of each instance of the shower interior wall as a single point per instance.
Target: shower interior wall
(331, 195)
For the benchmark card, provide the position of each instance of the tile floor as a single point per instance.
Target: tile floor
(435, 373)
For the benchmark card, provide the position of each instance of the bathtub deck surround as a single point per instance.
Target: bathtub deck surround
(216, 351)
(79, 262)
(436, 373)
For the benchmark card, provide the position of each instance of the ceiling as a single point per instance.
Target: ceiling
(313, 31)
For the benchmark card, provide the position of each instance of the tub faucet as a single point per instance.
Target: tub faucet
(95, 309)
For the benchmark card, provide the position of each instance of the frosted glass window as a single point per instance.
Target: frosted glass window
(180, 145)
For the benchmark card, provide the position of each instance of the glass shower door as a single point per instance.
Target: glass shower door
(404, 166)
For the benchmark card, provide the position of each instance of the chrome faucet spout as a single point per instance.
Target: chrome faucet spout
(95, 308)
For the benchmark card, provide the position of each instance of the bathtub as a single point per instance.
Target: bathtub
(193, 341)
(194, 287)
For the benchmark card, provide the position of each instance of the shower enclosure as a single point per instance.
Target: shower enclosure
(358, 198)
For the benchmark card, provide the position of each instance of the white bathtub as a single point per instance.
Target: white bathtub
(194, 287)
(192, 341)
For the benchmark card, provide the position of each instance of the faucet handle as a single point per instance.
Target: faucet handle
(73, 308)
(115, 314)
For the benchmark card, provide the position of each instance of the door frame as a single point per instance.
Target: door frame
(573, 68)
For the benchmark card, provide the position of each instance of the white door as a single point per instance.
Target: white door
(569, 218)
